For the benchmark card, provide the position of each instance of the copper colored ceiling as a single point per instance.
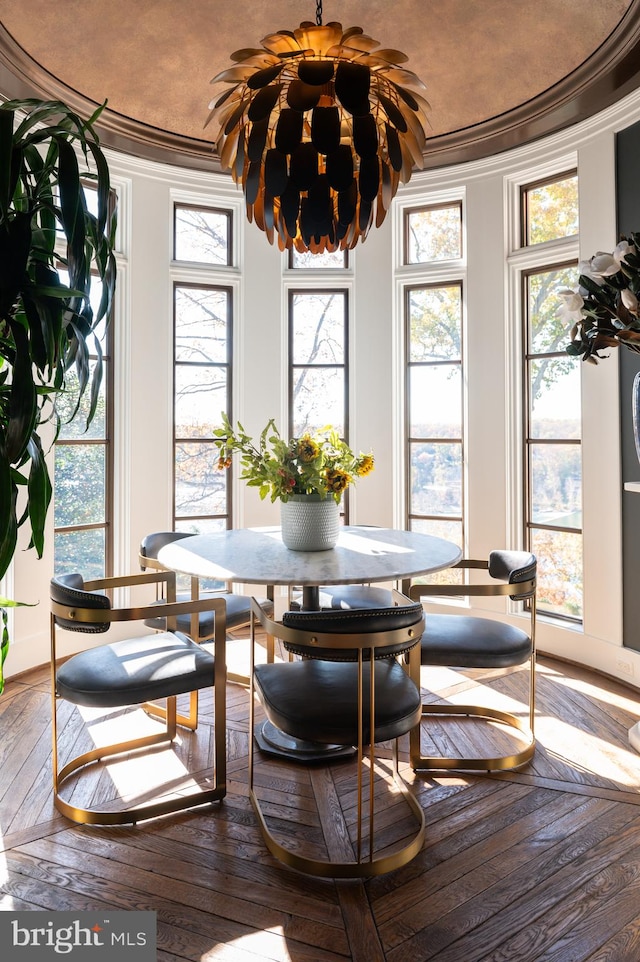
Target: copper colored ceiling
(498, 72)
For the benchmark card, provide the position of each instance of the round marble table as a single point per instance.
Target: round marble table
(258, 556)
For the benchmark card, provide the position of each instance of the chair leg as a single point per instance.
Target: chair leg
(189, 721)
(360, 868)
(136, 813)
(355, 869)
(497, 763)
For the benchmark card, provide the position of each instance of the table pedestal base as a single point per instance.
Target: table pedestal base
(272, 741)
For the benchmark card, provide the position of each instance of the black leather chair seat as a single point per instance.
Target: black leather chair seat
(134, 671)
(465, 641)
(295, 696)
(238, 613)
(348, 597)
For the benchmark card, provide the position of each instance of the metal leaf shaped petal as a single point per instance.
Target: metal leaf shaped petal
(303, 166)
(393, 147)
(361, 42)
(365, 136)
(387, 192)
(391, 56)
(408, 98)
(276, 175)
(393, 112)
(236, 74)
(289, 130)
(280, 42)
(302, 96)
(347, 204)
(352, 87)
(235, 117)
(369, 177)
(325, 129)
(320, 38)
(316, 72)
(364, 215)
(404, 78)
(340, 168)
(289, 207)
(263, 77)
(245, 53)
(264, 102)
(258, 139)
(252, 183)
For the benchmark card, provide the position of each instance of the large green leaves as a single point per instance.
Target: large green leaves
(47, 325)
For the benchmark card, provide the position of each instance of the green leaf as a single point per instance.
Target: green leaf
(40, 490)
(4, 647)
(8, 519)
(590, 285)
(23, 404)
(73, 207)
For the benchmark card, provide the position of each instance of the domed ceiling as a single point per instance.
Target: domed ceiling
(498, 72)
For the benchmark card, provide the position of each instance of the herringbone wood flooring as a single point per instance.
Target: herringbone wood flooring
(541, 865)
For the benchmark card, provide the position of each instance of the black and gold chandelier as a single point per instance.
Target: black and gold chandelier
(319, 127)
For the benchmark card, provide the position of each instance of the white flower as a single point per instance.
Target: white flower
(621, 251)
(604, 265)
(572, 305)
(629, 300)
(584, 267)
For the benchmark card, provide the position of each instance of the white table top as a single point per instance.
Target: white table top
(258, 556)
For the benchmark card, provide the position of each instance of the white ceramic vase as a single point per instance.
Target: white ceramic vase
(309, 522)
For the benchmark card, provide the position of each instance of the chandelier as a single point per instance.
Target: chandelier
(319, 127)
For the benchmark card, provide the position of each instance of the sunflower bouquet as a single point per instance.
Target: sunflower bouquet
(320, 463)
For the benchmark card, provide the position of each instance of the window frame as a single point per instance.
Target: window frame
(525, 190)
(528, 442)
(228, 214)
(345, 292)
(227, 516)
(406, 233)
(108, 381)
(409, 438)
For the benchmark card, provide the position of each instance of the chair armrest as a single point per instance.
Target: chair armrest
(487, 589)
(416, 592)
(170, 609)
(124, 581)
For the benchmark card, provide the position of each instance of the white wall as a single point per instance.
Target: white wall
(143, 364)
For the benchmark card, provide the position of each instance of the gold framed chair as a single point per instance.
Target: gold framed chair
(200, 627)
(238, 606)
(348, 688)
(458, 640)
(133, 672)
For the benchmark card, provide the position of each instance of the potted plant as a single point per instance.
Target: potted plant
(308, 475)
(603, 310)
(50, 244)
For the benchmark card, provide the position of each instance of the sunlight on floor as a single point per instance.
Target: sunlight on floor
(565, 742)
(264, 944)
(628, 702)
(138, 773)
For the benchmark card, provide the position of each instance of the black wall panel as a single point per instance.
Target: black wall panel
(628, 219)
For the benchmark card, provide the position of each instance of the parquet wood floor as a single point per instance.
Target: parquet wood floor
(541, 865)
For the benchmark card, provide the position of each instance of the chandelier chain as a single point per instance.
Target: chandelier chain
(319, 13)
